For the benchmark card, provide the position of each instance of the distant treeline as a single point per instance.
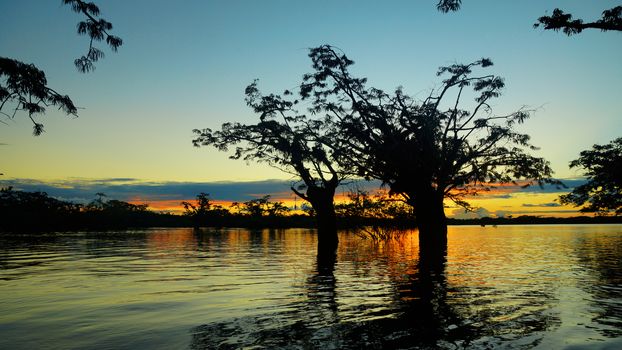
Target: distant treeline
(22, 211)
(537, 220)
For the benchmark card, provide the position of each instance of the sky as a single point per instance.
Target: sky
(184, 65)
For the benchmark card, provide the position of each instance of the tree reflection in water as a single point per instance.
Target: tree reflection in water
(600, 257)
(424, 311)
(513, 287)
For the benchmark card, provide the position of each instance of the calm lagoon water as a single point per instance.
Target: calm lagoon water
(514, 287)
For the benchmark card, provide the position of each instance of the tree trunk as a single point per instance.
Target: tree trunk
(321, 200)
(432, 224)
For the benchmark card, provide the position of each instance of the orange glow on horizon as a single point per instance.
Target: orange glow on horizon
(500, 201)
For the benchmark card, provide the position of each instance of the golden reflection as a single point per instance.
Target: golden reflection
(398, 257)
(171, 239)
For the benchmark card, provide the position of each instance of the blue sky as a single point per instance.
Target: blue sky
(184, 65)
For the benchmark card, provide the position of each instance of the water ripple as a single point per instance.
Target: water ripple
(509, 287)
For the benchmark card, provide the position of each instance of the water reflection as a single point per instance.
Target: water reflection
(600, 257)
(510, 287)
(374, 298)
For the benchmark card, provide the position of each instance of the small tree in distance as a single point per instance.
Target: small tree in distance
(261, 206)
(203, 210)
(602, 193)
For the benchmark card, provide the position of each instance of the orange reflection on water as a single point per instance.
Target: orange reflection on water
(396, 258)
(171, 239)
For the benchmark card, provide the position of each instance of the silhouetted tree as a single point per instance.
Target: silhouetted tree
(560, 20)
(23, 87)
(259, 207)
(113, 206)
(97, 29)
(611, 19)
(277, 209)
(603, 191)
(425, 151)
(448, 5)
(291, 142)
(361, 204)
(204, 212)
(203, 205)
(25, 211)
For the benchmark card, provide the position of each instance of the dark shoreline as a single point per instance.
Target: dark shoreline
(153, 220)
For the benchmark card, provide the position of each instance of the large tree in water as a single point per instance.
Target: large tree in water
(292, 142)
(428, 150)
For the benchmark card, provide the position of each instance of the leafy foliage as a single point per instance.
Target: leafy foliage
(97, 29)
(24, 87)
(603, 191)
(449, 5)
(203, 211)
(37, 211)
(13, 201)
(361, 204)
(113, 206)
(424, 151)
(423, 148)
(611, 19)
(262, 206)
(283, 138)
(559, 20)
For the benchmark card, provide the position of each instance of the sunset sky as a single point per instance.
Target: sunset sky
(184, 65)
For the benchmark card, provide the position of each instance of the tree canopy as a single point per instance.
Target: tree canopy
(560, 20)
(23, 86)
(288, 140)
(424, 151)
(283, 138)
(448, 5)
(611, 19)
(602, 193)
(417, 146)
(97, 29)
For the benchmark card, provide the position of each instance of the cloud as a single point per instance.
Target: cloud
(541, 205)
(506, 191)
(83, 190)
(569, 183)
(500, 196)
(170, 194)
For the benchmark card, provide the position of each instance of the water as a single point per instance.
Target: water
(507, 287)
